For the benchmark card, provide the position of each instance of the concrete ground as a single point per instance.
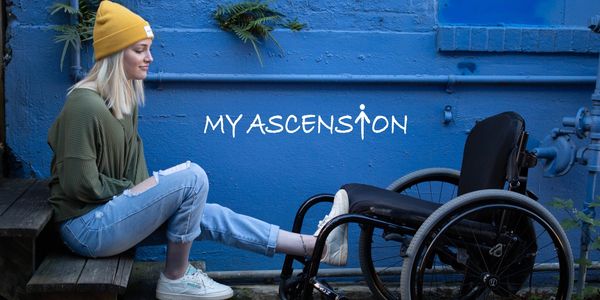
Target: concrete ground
(142, 285)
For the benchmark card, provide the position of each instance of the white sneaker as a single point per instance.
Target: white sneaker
(194, 284)
(337, 242)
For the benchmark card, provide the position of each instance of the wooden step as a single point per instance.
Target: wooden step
(68, 276)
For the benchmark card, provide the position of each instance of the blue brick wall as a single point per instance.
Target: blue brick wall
(517, 39)
(268, 176)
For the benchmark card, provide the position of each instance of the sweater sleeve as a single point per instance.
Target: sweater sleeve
(86, 184)
(79, 176)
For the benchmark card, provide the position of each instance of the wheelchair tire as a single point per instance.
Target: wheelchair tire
(498, 261)
(371, 241)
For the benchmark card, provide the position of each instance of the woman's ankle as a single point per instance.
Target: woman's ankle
(174, 273)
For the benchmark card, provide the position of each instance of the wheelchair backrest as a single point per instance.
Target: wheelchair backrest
(490, 149)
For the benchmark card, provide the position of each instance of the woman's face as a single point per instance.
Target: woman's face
(137, 59)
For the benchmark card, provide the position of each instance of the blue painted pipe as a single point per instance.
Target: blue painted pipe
(586, 124)
(349, 78)
(76, 70)
(596, 95)
(78, 74)
(545, 152)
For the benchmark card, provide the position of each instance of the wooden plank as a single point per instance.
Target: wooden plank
(75, 296)
(11, 190)
(58, 272)
(124, 271)
(28, 215)
(99, 275)
(69, 273)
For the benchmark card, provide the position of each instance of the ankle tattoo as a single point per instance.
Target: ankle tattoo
(304, 247)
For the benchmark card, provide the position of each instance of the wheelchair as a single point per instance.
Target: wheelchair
(440, 233)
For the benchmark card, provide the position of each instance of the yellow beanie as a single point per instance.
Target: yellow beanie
(117, 28)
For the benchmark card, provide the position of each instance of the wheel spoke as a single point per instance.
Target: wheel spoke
(523, 252)
(468, 266)
(511, 294)
(430, 192)
(475, 292)
(480, 252)
(389, 267)
(382, 255)
(386, 258)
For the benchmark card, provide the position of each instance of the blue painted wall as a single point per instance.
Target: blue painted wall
(510, 12)
(268, 176)
(533, 12)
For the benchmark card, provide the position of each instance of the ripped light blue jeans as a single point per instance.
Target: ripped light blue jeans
(179, 199)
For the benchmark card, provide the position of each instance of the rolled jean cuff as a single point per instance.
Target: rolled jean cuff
(180, 239)
(272, 242)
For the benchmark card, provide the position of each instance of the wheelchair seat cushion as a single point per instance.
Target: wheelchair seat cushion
(400, 208)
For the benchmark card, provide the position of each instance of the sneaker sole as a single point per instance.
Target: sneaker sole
(340, 260)
(214, 296)
(344, 249)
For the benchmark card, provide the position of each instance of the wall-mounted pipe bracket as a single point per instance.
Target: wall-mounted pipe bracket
(448, 116)
(450, 84)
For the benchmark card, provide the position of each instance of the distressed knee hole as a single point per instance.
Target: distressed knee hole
(188, 165)
(142, 186)
(175, 169)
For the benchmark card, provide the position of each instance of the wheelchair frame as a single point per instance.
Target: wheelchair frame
(303, 285)
(307, 280)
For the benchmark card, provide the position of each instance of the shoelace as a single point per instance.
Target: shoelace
(203, 278)
(323, 222)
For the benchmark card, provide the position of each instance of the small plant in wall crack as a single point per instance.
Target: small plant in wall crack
(73, 35)
(252, 21)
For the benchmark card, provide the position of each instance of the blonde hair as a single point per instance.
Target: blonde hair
(108, 78)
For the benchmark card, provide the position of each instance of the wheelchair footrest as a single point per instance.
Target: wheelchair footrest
(326, 290)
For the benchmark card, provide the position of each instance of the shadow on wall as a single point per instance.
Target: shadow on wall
(12, 166)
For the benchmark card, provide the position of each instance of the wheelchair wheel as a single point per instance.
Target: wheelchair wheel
(380, 251)
(489, 244)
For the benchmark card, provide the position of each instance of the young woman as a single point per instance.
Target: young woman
(103, 197)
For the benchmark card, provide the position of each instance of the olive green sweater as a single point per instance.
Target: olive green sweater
(96, 156)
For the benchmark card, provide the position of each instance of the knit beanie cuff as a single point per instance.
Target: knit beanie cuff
(122, 39)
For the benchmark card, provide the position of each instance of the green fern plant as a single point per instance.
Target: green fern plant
(74, 35)
(252, 21)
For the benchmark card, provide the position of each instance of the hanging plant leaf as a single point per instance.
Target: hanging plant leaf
(66, 8)
(73, 35)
